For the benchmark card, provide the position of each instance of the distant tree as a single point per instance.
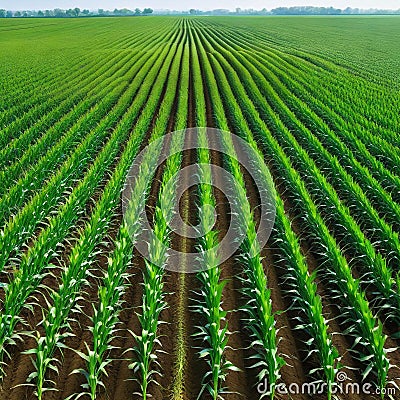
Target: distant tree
(25, 14)
(58, 13)
(17, 14)
(147, 11)
(9, 14)
(77, 11)
(137, 11)
(101, 11)
(40, 13)
(48, 13)
(192, 11)
(2, 13)
(309, 10)
(85, 12)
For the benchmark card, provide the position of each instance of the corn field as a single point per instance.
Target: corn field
(84, 314)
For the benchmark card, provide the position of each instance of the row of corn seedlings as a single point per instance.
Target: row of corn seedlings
(180, 349)
(366, 329)
(148, 345)
(215, 333)
(305, 299)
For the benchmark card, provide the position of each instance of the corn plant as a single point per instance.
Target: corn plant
(304, 293)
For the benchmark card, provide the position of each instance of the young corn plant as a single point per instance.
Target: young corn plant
(153, 302)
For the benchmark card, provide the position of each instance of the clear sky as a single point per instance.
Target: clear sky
(187, 4)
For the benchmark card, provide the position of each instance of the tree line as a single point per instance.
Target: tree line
(306, 10)
(310, 10)
(71, 13)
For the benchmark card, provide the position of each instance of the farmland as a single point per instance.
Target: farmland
(84, 314)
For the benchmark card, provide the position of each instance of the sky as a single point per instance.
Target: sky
(187, 4)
